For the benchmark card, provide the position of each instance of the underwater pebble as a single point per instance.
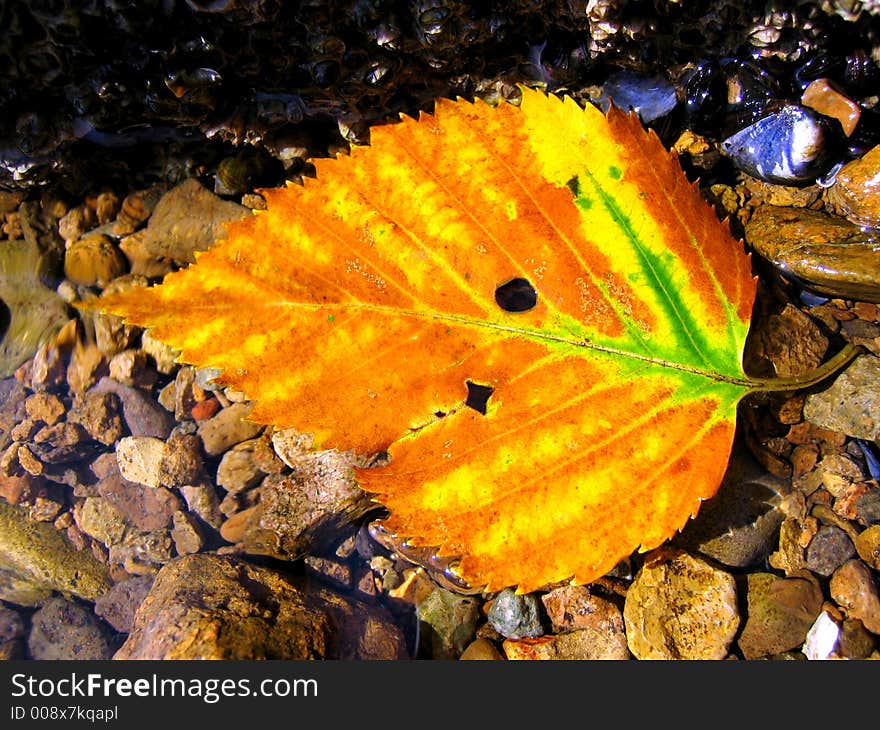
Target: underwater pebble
(821, 96)
(822, 638)
(829, 548)
(99, 414)
(228, 428)
(856, 190)
(94, 260)
(215, 607)
(825, 253)
(188, 218)
(64, 630)
(853, 588)
(186, 534)
(516, 616)
(780, 613)
(450, 623)
(851, 404)
(118, 605)
(140, 459)
(680, 607)
(143, 416)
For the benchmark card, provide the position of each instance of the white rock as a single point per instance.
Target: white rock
(139, 459)
(822, 638)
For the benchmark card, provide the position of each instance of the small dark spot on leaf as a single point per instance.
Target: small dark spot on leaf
(517, 295)
(440, 414)
(478, 396)
(574, 184)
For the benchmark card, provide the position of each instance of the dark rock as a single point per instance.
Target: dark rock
(828, 550)
(143, 415)
(212, 607)
(61, 629)
(118, 605)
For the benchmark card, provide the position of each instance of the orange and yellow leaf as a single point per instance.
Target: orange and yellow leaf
(360, 306)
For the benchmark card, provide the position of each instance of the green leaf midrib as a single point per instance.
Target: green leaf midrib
(548, 338)
(691, 346)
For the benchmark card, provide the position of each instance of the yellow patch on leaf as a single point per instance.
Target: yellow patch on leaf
(530, 308)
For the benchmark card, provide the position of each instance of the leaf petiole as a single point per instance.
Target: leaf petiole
(808, 379)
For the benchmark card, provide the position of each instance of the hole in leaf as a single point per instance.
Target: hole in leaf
(478, 396)
(517, 295)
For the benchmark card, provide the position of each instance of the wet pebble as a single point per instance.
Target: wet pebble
(829, 548)
(576, 607)
(680, 607)
(94, 260)
(851, 404)
(821, 96)
(780, 613)
(188, 218)
(63, 630)
(854, 589)
(212, 607)
(516, 616)
(856, 190)
(140, 459)
(11, 633)
(143, 416)
(868, 546)
(577, 645)
(448, 623)
(481, 649)
(825, 253)
(228, 428)
(118, 605)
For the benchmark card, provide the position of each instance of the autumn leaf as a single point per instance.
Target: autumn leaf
(529, 307)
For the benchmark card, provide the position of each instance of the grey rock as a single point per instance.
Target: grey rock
(118, 605)
(516, 616)
(143, 415)
(851, 404)
(61, 629)
(830, 548)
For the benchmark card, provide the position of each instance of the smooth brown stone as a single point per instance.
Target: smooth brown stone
(825, 253)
